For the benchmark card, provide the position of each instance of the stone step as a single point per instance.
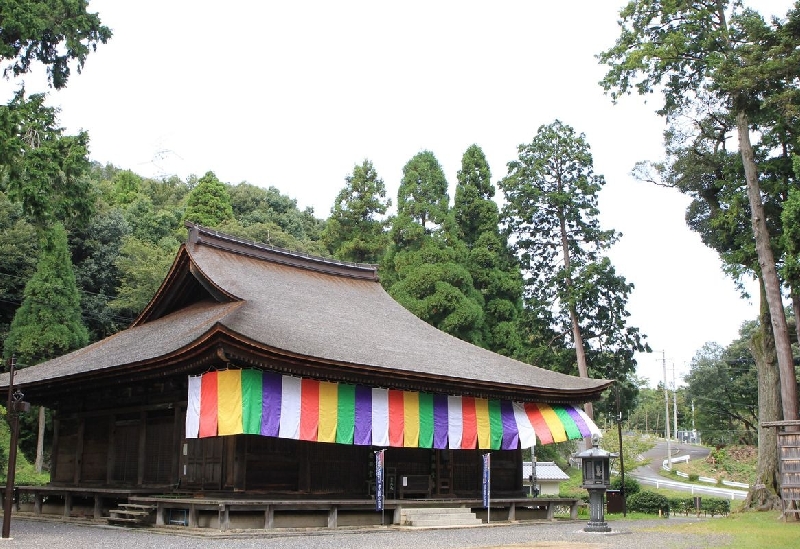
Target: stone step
(433, 523)
(131, 514)
(439, 516)
(125, 520)
(137, 506)
(128, 513)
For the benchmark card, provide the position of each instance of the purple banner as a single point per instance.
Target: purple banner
(440, 422)
(379, 480)
(487, 484)
(510, 432)
(363, 416)
(270, 404)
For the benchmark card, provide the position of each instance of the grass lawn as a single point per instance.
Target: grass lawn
(749, 529)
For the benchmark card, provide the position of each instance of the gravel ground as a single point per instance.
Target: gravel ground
(35, 534)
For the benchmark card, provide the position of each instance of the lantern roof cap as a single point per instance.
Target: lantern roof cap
(595, 451)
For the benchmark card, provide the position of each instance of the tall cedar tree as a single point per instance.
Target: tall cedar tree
(41, 168)
(18, 253)
(494, 270)
(48, 323)
(209, 203)
(423, 268)
(551, 214)
(353, 231)
(692, 51)
(422, 194)
(52, 32)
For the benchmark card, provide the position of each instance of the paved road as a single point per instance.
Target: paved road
(649, 474)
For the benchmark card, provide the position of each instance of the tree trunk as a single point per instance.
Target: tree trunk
(763, 494)
(769, 274)
(577, 337)
(40, 441)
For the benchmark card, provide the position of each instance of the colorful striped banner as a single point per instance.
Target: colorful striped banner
(231, 402)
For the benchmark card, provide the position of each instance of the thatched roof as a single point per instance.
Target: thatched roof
(316, 315)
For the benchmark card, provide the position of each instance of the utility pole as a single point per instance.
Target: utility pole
(621, 458)
(666, 412)
(15, 405)
(674, 404)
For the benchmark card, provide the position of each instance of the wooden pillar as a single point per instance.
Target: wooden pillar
(142, 447)
(192, 516)
(98, 506)
(240, 463)
(303, 459)
(67, 504)
(159, 513)
(512, 512)
(54, 447)
(177, 443)
(76, 477)
(111, 456)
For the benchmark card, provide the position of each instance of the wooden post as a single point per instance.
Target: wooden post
(333, 516)
(269, 517)
(512, 512)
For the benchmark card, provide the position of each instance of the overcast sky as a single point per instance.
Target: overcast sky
(293, 94)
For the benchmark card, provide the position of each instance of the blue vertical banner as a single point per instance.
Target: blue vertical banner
(379, 480)
(487, 479)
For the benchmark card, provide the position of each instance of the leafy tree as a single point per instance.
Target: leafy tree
(551, 215)
(40, 167)
(493, 267)
(696, 52)
(633, 449)
(254, 205)
(48, 324)
(18, 252)
(422, 194)
(52, 32)
(721, 384)
(353, 233)
(209, 203)
(95, 250)
(647, 414)
(142, 266)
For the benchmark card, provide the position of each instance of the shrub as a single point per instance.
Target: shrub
(715, 506)
(648, 502)
(708, 505)
(631, 485)
(694, 477)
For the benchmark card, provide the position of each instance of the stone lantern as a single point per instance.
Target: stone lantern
(596, 468)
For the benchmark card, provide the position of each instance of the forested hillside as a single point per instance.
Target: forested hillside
(448, 261)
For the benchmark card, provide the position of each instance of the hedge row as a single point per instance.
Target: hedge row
(654, 503)
(708, 505)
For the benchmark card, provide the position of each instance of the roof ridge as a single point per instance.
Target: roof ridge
(259, 250)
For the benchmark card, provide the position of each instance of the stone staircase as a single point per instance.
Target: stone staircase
(438, 517)
(132, 514)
